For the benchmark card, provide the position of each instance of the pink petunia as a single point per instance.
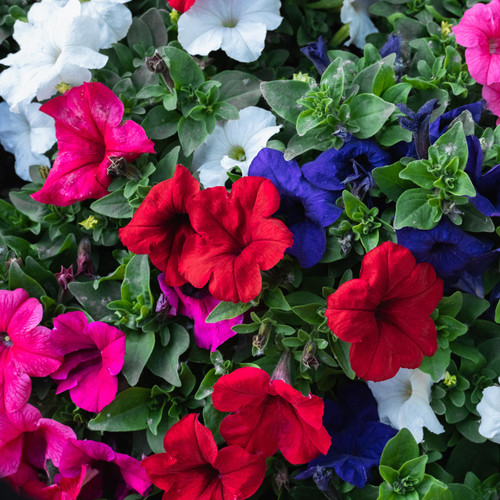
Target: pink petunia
(25, 348)
(90, 133)
(27, 441)
(197, 304)
(93, 356)
(479, 31)
(491, 94)
(116, 475)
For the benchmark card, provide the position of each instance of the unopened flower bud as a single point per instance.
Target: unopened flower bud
(156, 64)
(65, 276)
(163, 308)
(308, 355)
(14, 260)
(281, 476)
(120, 168)
(259, 341)
(282, 370)
(83, 259)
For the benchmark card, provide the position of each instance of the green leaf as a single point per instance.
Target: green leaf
(113, 205)
(333, 76)
(352, 204)
(164, 362)
(474, 221)
(238, 88)
(437, 364)
(275, 299)
(307, 120)
(192, 133)
(341, 351)
(399, 450)
(450, 306)
(227, 310)
(23, 201)
(128, 412)
(416, 171)
(389, 182)
(183, 70)
(140, 345)
(282, 96)
(160, 123)
(397, 93)
(19, 279)
(413, 210)
(136, 280)
(453, 143)
(414, 468)
(369, 113)
(497, 312)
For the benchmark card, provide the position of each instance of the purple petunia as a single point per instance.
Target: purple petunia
(308, 208)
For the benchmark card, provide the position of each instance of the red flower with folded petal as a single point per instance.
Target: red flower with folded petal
(385, 313)
(181, 5)
(160, 226)
(236, 239)
(270, 415)
(89, 132)
(192, 467)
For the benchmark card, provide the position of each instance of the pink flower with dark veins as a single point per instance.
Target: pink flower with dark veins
(27, 441)
(25, 348)
(93, 356)
(90, 136)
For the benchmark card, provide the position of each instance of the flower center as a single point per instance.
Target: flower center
(237, 153)
(493, 43)
(5, 340)
(229, 23)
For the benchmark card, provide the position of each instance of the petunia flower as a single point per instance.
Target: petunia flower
(110, 474)
(448, 248)
(89, 135)
(192, 467)
(58, 48)
(25, 348)
(479, 31)
(27, 135)
(491, 94)
(181, 5)
(385, 313)
(356, 13)
(234, 144)
(270, 415)
(404, 401)
(317, 53)
(358, 437)
(160, 225)
(238, 27)
(197, 304)
(93, 356)
(307, 209)
(489, 410)
(27, 441)
(352, 163)
(236, 239)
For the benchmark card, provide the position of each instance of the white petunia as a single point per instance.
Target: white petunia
(489, 409)
(26, 135)
(357, 14)
(404, 401)
(58, 48)
(238, 27)
(234, 144)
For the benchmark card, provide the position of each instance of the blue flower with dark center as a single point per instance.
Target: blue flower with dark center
(317, 53)
(450, 250)
(352, 163)
(358, 438)
(487, 199)
(307, 209)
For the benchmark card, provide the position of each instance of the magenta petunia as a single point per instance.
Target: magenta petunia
(27, 441)
(90, 133)
(491, 94)
(93, 356)
(116, 475)
(479, 31)
(197, 304)
(25, 348)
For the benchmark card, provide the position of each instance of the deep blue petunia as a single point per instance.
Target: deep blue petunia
(358, 438)
(450, 250)
(307, 208)
(487, 199)
(352, 163)
(317, 53)
(392, 46)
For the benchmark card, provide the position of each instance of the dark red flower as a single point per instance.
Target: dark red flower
(89, 132)
(270, 415)
(181, 5)
(236, 239)
(160, 226)
(192, 467)
(385, 313)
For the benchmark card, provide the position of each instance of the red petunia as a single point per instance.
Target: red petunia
(181, 5)
(270, 415)
(160, 226)
(192, 467)
(236, 239)
(385, 313)
(89, 132)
